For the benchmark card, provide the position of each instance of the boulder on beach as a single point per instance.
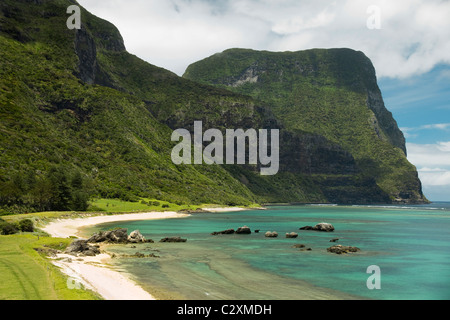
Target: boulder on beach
(81, 247)
(271, 234)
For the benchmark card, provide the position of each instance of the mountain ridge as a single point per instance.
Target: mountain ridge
(331, 92)
(78, 101)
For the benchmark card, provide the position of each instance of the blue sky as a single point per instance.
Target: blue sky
(408, 42)
(421, 106)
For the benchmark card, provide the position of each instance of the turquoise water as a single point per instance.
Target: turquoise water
(410, 244)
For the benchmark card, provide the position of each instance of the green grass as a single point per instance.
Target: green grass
(27, 275)
(143, 205)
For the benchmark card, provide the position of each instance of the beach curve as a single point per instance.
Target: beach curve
(95, 273)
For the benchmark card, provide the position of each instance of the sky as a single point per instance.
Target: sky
(408, 41)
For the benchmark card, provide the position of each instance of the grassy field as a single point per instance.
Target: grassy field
(26, 274)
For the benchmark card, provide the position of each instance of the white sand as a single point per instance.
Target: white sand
(93, 272)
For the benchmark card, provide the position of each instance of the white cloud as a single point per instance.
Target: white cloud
(408, 131)
(414, 34)
(429, 155)
(433, 163)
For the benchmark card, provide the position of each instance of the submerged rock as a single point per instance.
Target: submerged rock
(228, 231)
(340, 249)
(326, 227)
(173, 239)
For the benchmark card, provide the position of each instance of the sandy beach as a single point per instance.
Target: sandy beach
(95, 273)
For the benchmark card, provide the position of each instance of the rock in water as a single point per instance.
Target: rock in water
(173, 239)
(327, 227)
(136, 237)
(271, 234)
(228, 231)
(340, 249)
(115, 236)
(243, 230)
(292, 235)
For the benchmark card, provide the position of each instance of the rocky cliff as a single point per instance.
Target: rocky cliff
(78, 101)
(332, 93)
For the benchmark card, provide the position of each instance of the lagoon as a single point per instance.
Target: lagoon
(409, 244)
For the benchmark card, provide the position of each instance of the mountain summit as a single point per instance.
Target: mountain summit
(329, 92)
(78, 112)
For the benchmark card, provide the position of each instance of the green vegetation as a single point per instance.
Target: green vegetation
(60, 133)
(332, 93)
(83, 119)
(26, 274)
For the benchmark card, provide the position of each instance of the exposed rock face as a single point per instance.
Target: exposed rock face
(81, 247)
(136, 237)
(330, 104)
(340, 249)
(114, 236)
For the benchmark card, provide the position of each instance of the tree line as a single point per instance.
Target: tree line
(60, 189)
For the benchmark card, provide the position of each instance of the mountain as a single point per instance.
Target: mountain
(329, 92)
(77, 101)
(81, 117)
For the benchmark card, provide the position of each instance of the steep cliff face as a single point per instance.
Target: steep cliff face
(332, 93)
(78, 100)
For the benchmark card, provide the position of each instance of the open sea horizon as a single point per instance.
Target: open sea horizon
(410, 244)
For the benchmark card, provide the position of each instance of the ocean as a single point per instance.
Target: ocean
(410, 246)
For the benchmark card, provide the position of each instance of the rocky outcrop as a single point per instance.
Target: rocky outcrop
(326, 227)
(228, 231)
(240, 230)
(340, 249)
(243, 230)
(173, 239)
(271, 234)
(137, 237)
(114, 236)
(82, 248)
(292, 235)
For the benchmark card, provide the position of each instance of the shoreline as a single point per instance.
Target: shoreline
(95, 273)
